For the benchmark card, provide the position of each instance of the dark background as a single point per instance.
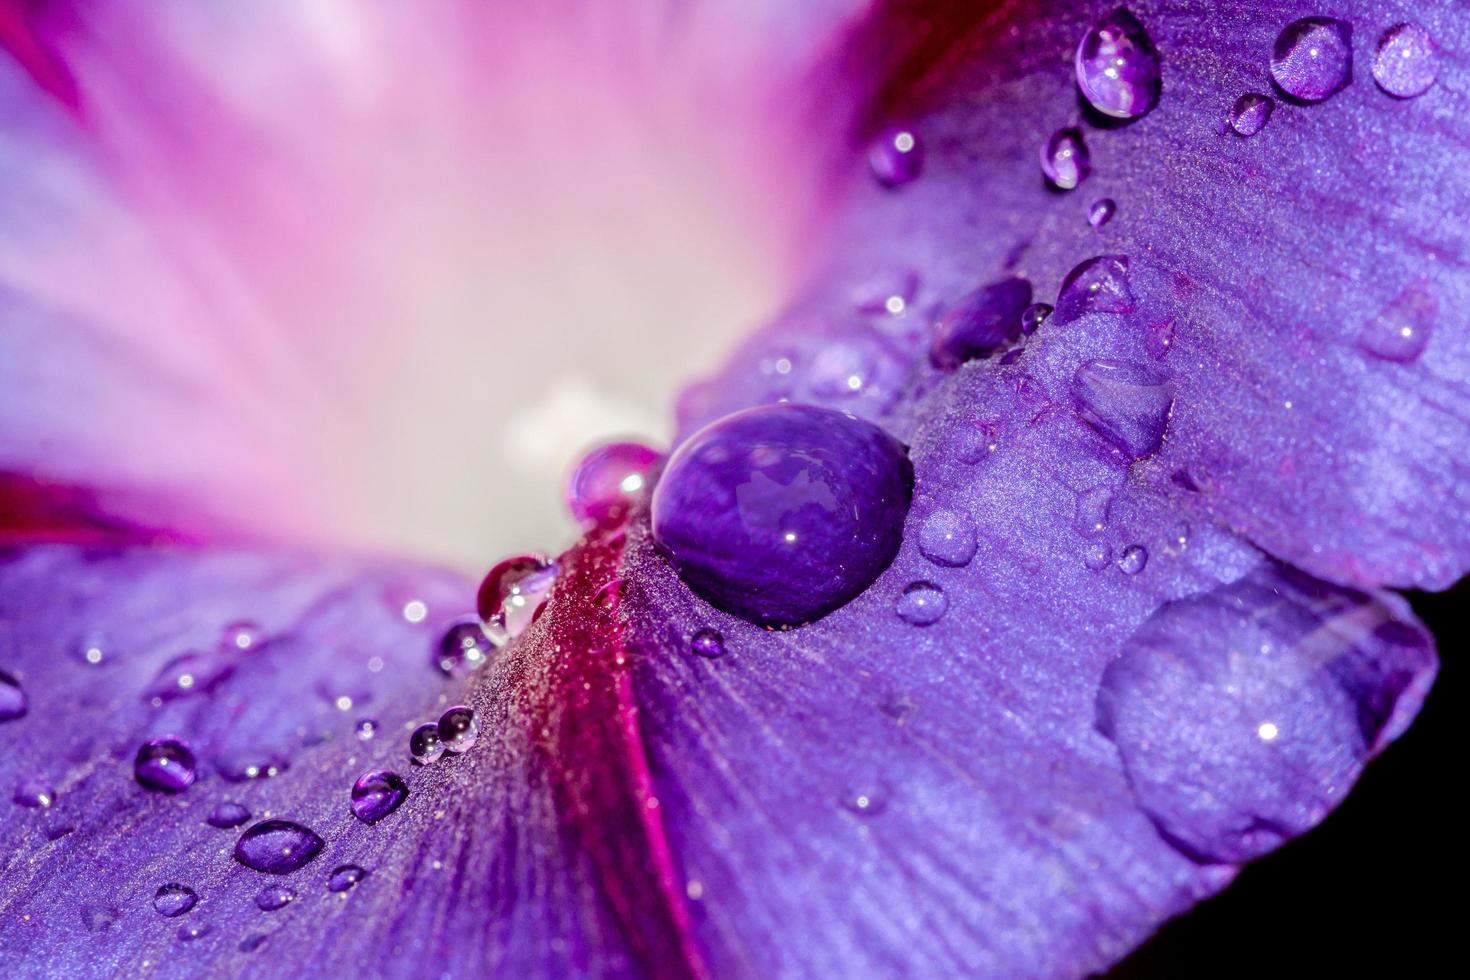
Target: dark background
(1376, 888)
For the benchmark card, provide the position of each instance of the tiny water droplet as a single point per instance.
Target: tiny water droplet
(896, 156)
(1097, 285)
(249, 763)
(345, 878)
(93, 651)
(165, 765)
(513, 593)
(921, 604)
(190, 931)
(277, 847)
(34, 792)
(1097, 556)
(174, 899)
(458, 729)
(708, 643)
(240, 636)
(1127, 404)
(1402, 330)
(890, 293)
(376, 794)
(1093, 505)
(424, 744)
(1118, 67)
(1065, 159)
(227, 815)
(13, 701)
(974, 442)
(1312, 59)
(1133, 559)
(608, 480)
(1406, 61)
(366, 728)
(464, 647)
(190, 674)
(1101, 211)
(947, 537)
(1250, 113)
(274, 897)
(866, 800)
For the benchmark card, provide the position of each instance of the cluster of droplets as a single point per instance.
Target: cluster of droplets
(455, 733)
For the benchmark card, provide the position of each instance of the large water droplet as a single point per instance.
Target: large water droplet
(896, 156)
(1243, 715)
(34, 792)
(174, 899)
(345, 878)
(1313, 58)
(274, 897)
(190, 673)
(458, 730)
(1101, 211)
(1402, 330)
(606, 481)
(227, 815)
(782, 513)
(947, 537)
(165, 765)
(921, 604)
(1133, 559)
(376, 794)
(464, 647)
(277, 847)
(424, 744)
(1406, 61)
(13, 703)
(708, 643)
(1098, 285)
(1250, 113)
(1118, 67)
(1128, 404)
(980, 323)
(1065, 160)
(513, 593)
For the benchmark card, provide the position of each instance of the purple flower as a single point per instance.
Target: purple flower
(1023, 641)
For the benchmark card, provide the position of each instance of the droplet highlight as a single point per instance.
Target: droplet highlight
(1097, 285)
(274, 897)
(1065, 160)
(980, 323)
(1402, 330)
(1133, 559)
(34, 793)
(464, 648)
(165, 765)
(458, 729)
(947, 537)
(1118, 67)
(1127, 404)
(1101, 211)
(377, 793)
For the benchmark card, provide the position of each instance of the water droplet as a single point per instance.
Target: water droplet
(345, 878)
(1133, 559)
(1313, 58)
(947, 537)
(227, 815)
(239, 637)
(463, 648)
(980, 323)
(174, 899)
(424, 744)
(896, 156)
(1101, 212)
(250, 763)
(458, 729)
(1098, 285)
(1097, 556)
(1401, 332)
(1034, 316)
(376, 794)
(1127, 404)
(1406, 61)
(608, 480)
(921, 604)
(708, 643)
(189, 674)
(513, 593)
(973, 442)
(93, 651)
(165, 765)
(34, 792)
(277, 847)
(1250, 113)
(366, 728)
(13, 702)
(891, 293)
(866, 800)
(1065, 159)
(1186, 701)
(1118, 67)
(251, 943)
(190, 931)
(1093, 505)
(782, 513)
(274, 897)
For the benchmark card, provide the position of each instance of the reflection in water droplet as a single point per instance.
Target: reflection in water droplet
(1313, 58)
(227, 815)
(1243, 715)
(174, 899)
(376, 794)
(13, 702)
(896, 157)
(345, 878)
(1250, 113)
(165, 765)
(424, 744)
(1118, 67)
(463, 648)
(273, 897)
(1133, 559)
(1127, 404)
(1065, 160)
(921, 604)
(277, 847)
(365, 729)
(1098, 285)
(513, 593)
(1406, 61)
(458, 729)
(867, 799)
(608, 480)
(947, 537)
(1034, 316)
(708, 643)
(1101, 212)
(34, 792)
(1402, 331)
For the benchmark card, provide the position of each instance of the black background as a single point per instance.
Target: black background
(1377, 888)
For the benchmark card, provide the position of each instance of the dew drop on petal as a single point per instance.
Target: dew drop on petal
(1250, 113)
(13, 702)
(867, 799)
(921, 604)
(1133, 559)
(190, 931)
(277, 847)
(227, 815)
(190, 674)
(1118, 67)
(1097, 285)
(608, 480)
(1034, 316)
(1313, 58)
(376, 794)
(365, 729)
(1127, 404)
(1097, 556)
(1406, 61)
(1092, 508)
(424, 745)
(896, 156)
(947, 537)
(1101, 211)
(165, 765)
(980, 323)
(345, 878)
(974, 442)
(274, 897)
(35, 793)
(708, 643)
(174, 899)
(513, 593)
(458, 729)
(1065, 159)
(462, 648)
(1402, 330)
